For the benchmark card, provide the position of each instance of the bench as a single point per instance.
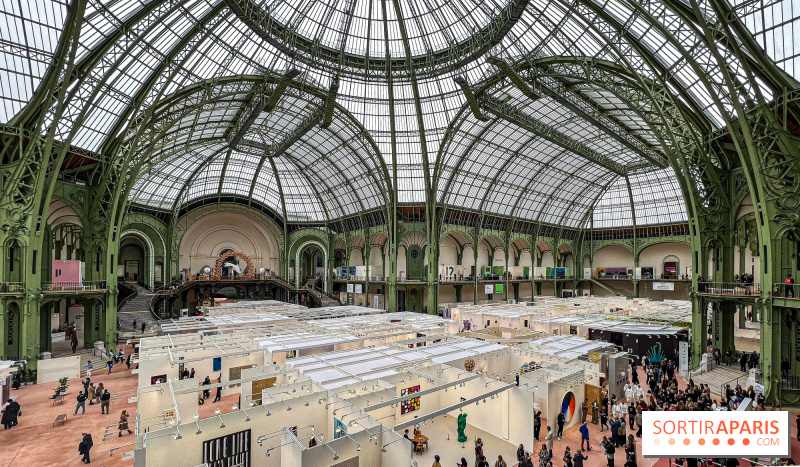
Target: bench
(60, 419)
(59, 399)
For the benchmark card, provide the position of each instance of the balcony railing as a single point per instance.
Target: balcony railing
(786, 290)
(73, 286)
(12, 287)
(790, 382)
(733, 289)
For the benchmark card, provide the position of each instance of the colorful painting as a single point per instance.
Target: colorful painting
(409, 405)
(409, 391)
(339, 429)
(568, 406)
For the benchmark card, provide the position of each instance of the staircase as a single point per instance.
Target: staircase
(610, 289)
(136, 309)
(720, 375)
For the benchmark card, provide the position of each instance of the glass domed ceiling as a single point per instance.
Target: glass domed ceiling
(355, 36)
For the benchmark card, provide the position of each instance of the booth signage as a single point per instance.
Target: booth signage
(665, 286)
(350, 288)
(716, 434)
(358, 288)
(683, 358)
(488, 289)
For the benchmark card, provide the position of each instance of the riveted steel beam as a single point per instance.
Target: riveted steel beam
(515, 116)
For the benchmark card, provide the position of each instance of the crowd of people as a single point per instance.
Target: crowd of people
(621, 420)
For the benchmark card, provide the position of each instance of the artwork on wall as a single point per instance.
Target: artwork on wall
(236, 373)
(568, 406)
(158, 379)
(412, 404)
(258, 386)
(409, 405)
(339, 429)
(217, 364)
(409, 391)
(228, 450)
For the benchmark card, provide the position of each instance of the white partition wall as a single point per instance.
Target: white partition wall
(53, 369)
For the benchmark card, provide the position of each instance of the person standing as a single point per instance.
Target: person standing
(544, 456)
(614, 429)
(123, 423)
(134, 325)
(98, 392)
(595, 419)
(560, 420)
(129, 360)
(789, 286)
(206, 392)
(89, 368)
(584, 410)
(567, 457)
(609, 448)
(81, 403)
(110, 364)
(537, 424)
(74, 344)
(631, 415)
(90, 393)
(579, 458)
(105, 402)
(191, 374)
(603, 419)
(218, 396)
(548, 440)
(500, 462)
(84, 447)
(584, 437)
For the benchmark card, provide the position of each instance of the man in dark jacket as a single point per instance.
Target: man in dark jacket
(84, 447)
(560, 421)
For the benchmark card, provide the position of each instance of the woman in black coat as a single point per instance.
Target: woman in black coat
(84, 447)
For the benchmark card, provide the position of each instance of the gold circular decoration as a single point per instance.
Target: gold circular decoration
(469, 364)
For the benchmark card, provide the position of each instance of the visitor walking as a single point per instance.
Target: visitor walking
(129, 360)
(74, 344)
(537, 424)
(110, 364)
(89, 368)
(81, 403)
(435, 461)
(134, 325)
(789, 286)
(84, 447)
(560, 422)
(10, 413)
(585, 436)
(123, 423)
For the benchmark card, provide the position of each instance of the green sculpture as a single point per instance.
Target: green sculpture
(462, 425)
